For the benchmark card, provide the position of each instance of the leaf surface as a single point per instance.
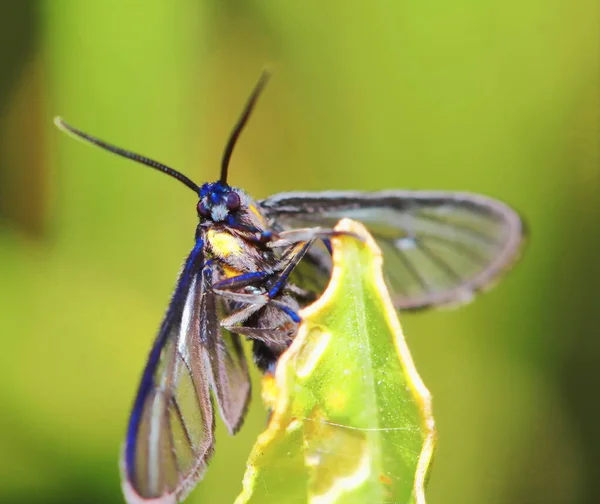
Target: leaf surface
(351, 420)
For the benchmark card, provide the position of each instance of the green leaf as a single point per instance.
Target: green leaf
(351, 419)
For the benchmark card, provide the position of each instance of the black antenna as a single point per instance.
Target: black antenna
(127, 154)
(264, 77)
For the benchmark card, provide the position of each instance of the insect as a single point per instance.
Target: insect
(439, 248)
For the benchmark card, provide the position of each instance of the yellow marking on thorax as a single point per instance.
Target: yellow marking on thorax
(223, 244)
(255, 211)
(230, 272)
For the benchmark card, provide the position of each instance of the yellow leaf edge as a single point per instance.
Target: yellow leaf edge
(414, 381)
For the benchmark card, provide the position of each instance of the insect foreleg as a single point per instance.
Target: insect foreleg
(293, 236)
(240, 281)
(290, 261)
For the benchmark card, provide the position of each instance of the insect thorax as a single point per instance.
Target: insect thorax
(237, 255)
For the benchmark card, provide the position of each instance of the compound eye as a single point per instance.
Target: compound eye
(232, 201)
(203, 209)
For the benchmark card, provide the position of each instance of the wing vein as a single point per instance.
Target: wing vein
(456, 226)
(183, 425)
(442, 265)
(172, 441)
(413, 271)
(458, 246)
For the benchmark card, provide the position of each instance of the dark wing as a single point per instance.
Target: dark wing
(170, 436)
(438, 247)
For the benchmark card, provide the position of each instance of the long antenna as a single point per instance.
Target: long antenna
(67, 128)
(264, 77)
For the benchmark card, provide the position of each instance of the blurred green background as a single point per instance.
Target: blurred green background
(494, 97)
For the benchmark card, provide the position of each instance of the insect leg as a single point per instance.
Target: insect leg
(240, 281)
(293, 258)
(287, 238)
(241, 297)
(256, 301)
(267, 335)
(301, 293)
(240, 316)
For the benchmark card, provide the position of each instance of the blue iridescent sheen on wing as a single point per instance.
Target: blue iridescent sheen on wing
(191, 267)
(170, 437)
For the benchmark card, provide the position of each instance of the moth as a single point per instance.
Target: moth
(240, 281)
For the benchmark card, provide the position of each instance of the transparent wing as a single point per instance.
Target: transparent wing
(438, 248)
(170, 436)
(229, 371)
